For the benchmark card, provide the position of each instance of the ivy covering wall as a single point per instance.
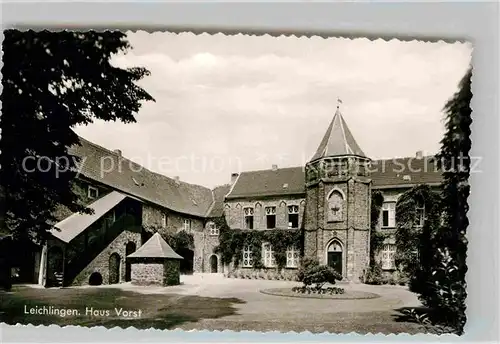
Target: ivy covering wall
(178, 240)
(415, 244)
(232, 241)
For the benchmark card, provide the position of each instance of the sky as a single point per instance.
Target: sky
(236, 103)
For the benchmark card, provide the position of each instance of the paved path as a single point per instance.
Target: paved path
(267, 312)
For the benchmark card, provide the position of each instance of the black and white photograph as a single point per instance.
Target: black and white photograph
(213, 181)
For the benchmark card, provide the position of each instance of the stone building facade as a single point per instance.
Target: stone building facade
(328, 200)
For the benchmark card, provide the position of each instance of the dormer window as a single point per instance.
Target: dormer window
(92, 192)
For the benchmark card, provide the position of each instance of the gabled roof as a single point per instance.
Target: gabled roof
(281, 181)
(109, 168)
(155, 247)
(338, 140)
(219, 194)
(69, 228)
(398, 172)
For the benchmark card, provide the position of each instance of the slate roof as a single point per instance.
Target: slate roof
(338, 140)
(384, 174)
(129, 177)
(155, 247)
(282, 181)
(219, 193)
(72, 226)
(405, 171)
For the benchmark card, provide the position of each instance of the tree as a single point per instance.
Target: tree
(449, 292)
(53, 81)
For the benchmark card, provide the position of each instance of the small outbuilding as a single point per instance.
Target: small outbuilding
(155, 263)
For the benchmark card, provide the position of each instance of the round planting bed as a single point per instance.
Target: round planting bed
(347, 295)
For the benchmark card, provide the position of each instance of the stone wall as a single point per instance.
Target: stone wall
(152, 216)
(156, 271)
(147, 273)
(233, 211)
(100, 263)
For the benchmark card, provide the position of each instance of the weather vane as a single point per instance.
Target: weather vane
(339, 101)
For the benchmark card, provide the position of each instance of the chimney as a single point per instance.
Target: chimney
(234, 176)
(419, 155)
(275, 167)
(177, 180)
(118, 152)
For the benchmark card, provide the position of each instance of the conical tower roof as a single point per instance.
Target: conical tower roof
(338, 140)
(155, 247)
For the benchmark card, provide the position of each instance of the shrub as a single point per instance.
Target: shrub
(374, 275)
(320, 275)
(305, 265)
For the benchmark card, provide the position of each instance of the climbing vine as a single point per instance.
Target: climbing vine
(177, 240)
(415, 243)
(376, 237)
(232, 241)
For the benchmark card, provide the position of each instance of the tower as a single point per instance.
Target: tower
(338, 201)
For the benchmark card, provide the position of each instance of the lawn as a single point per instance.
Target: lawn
(160, 311)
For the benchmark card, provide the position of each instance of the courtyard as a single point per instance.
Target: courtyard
(212, 302)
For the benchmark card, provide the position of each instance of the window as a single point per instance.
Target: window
(389, 214)
(248, 218)
(292, 257)
(293, 216)
(271, 217)
(164, 220)
(335, 205)
(187, 224)
(212, 229)
(110, 218)
(420, 215)
(92, 192)
(247, 257)
(268, 256)
(388, 253)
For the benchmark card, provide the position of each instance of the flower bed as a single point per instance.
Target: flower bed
(316, 290)
(345, 295)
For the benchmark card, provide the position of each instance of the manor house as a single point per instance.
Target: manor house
(329, 199)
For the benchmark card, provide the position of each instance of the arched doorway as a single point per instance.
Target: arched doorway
(55, 266)
(213, 264)
(95, 279)
(114, 268)
(186, 263)
(334, 256)
(129, 249)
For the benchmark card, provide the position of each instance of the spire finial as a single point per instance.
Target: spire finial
(339, 101)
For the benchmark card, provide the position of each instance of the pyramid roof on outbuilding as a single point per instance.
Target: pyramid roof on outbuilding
(155, 247)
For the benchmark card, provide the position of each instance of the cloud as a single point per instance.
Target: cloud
(228, 97)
